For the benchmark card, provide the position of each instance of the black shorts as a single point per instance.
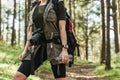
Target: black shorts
(59, 71)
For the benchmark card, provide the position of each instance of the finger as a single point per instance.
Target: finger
(20, 57)
(65, 60)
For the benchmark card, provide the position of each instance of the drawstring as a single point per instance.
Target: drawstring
(58, 69)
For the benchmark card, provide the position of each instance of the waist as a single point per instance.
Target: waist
(55, 40)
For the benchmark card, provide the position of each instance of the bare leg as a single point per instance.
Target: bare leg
(19, 76)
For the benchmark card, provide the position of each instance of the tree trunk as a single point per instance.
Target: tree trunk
(26, 21)
(19, 25)
(115, 22)
(70, 7)
(7, 27)
(13, 36)
(108, 54)
(0, 20)
(102, 59)
(86, 39)
(29, 4)
(27, 9)
(118, 16)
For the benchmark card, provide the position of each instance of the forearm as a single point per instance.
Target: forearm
(63, 34)
(27, 46)
(29, 36)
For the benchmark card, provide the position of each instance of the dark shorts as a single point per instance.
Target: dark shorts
(59, 71)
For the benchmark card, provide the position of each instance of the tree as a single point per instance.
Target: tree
(102, 59)
(0, 20)
(26, 22)
(115, 22)
(70, 6)
(27, 9)
(8, 12)
(19, 13)
(108, 54)
(13, 36)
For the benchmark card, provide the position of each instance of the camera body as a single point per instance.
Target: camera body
(37, 36)
(58, 60)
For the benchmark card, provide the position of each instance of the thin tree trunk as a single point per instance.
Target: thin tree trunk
(108, 54)
(86, 39)
(70, 7)
(74, 2)
(7, 27)
(0, 20)
(26, 21)
(118, 16)
(102, 59)
(115, 22)
(13, 27)
(19, 26)
(29, 4)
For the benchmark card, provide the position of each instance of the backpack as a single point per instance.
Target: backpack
(71, 40)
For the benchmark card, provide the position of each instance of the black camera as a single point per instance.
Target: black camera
(57, 60)
(37, 36)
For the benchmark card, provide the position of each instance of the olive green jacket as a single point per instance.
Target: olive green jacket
(50, 30)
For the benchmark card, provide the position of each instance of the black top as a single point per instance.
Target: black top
(38, 16)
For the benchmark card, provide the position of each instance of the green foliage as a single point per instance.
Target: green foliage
(114, 73)
(78, 60)
(9, 62)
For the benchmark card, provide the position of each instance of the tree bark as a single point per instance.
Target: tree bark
(86, 38)
(102, 59)
(13, 36)
(26, 21)
(19, 25)
(70, 7)
(0, 21)
(108, 54)
(115, 22)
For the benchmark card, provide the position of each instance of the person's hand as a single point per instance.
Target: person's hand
(22, 55)
(64, 56)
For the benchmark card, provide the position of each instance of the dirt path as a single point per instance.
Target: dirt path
(82, 72)
(78, 72)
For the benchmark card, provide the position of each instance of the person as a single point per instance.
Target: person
(43, 16)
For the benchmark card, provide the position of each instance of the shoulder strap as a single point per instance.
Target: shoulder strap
(47, 8)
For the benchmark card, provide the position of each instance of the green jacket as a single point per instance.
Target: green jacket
(50, 30)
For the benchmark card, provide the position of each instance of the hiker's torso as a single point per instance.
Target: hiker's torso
(38, 16)
(44, 16)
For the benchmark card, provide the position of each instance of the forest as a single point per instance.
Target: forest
(96, 28)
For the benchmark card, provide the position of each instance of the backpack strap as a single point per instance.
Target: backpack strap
(30, 16)
(47, 8)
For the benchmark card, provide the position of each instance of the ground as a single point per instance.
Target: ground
(78, 72)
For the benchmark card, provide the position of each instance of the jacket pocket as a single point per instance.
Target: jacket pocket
(51, 15)
(54, 51)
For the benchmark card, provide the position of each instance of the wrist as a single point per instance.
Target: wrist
(65, 46)
(64, 49)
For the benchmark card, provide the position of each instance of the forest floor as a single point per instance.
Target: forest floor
(77, 72)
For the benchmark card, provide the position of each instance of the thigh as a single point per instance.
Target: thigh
(40, 57)
(59, 70)
(25, 67)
